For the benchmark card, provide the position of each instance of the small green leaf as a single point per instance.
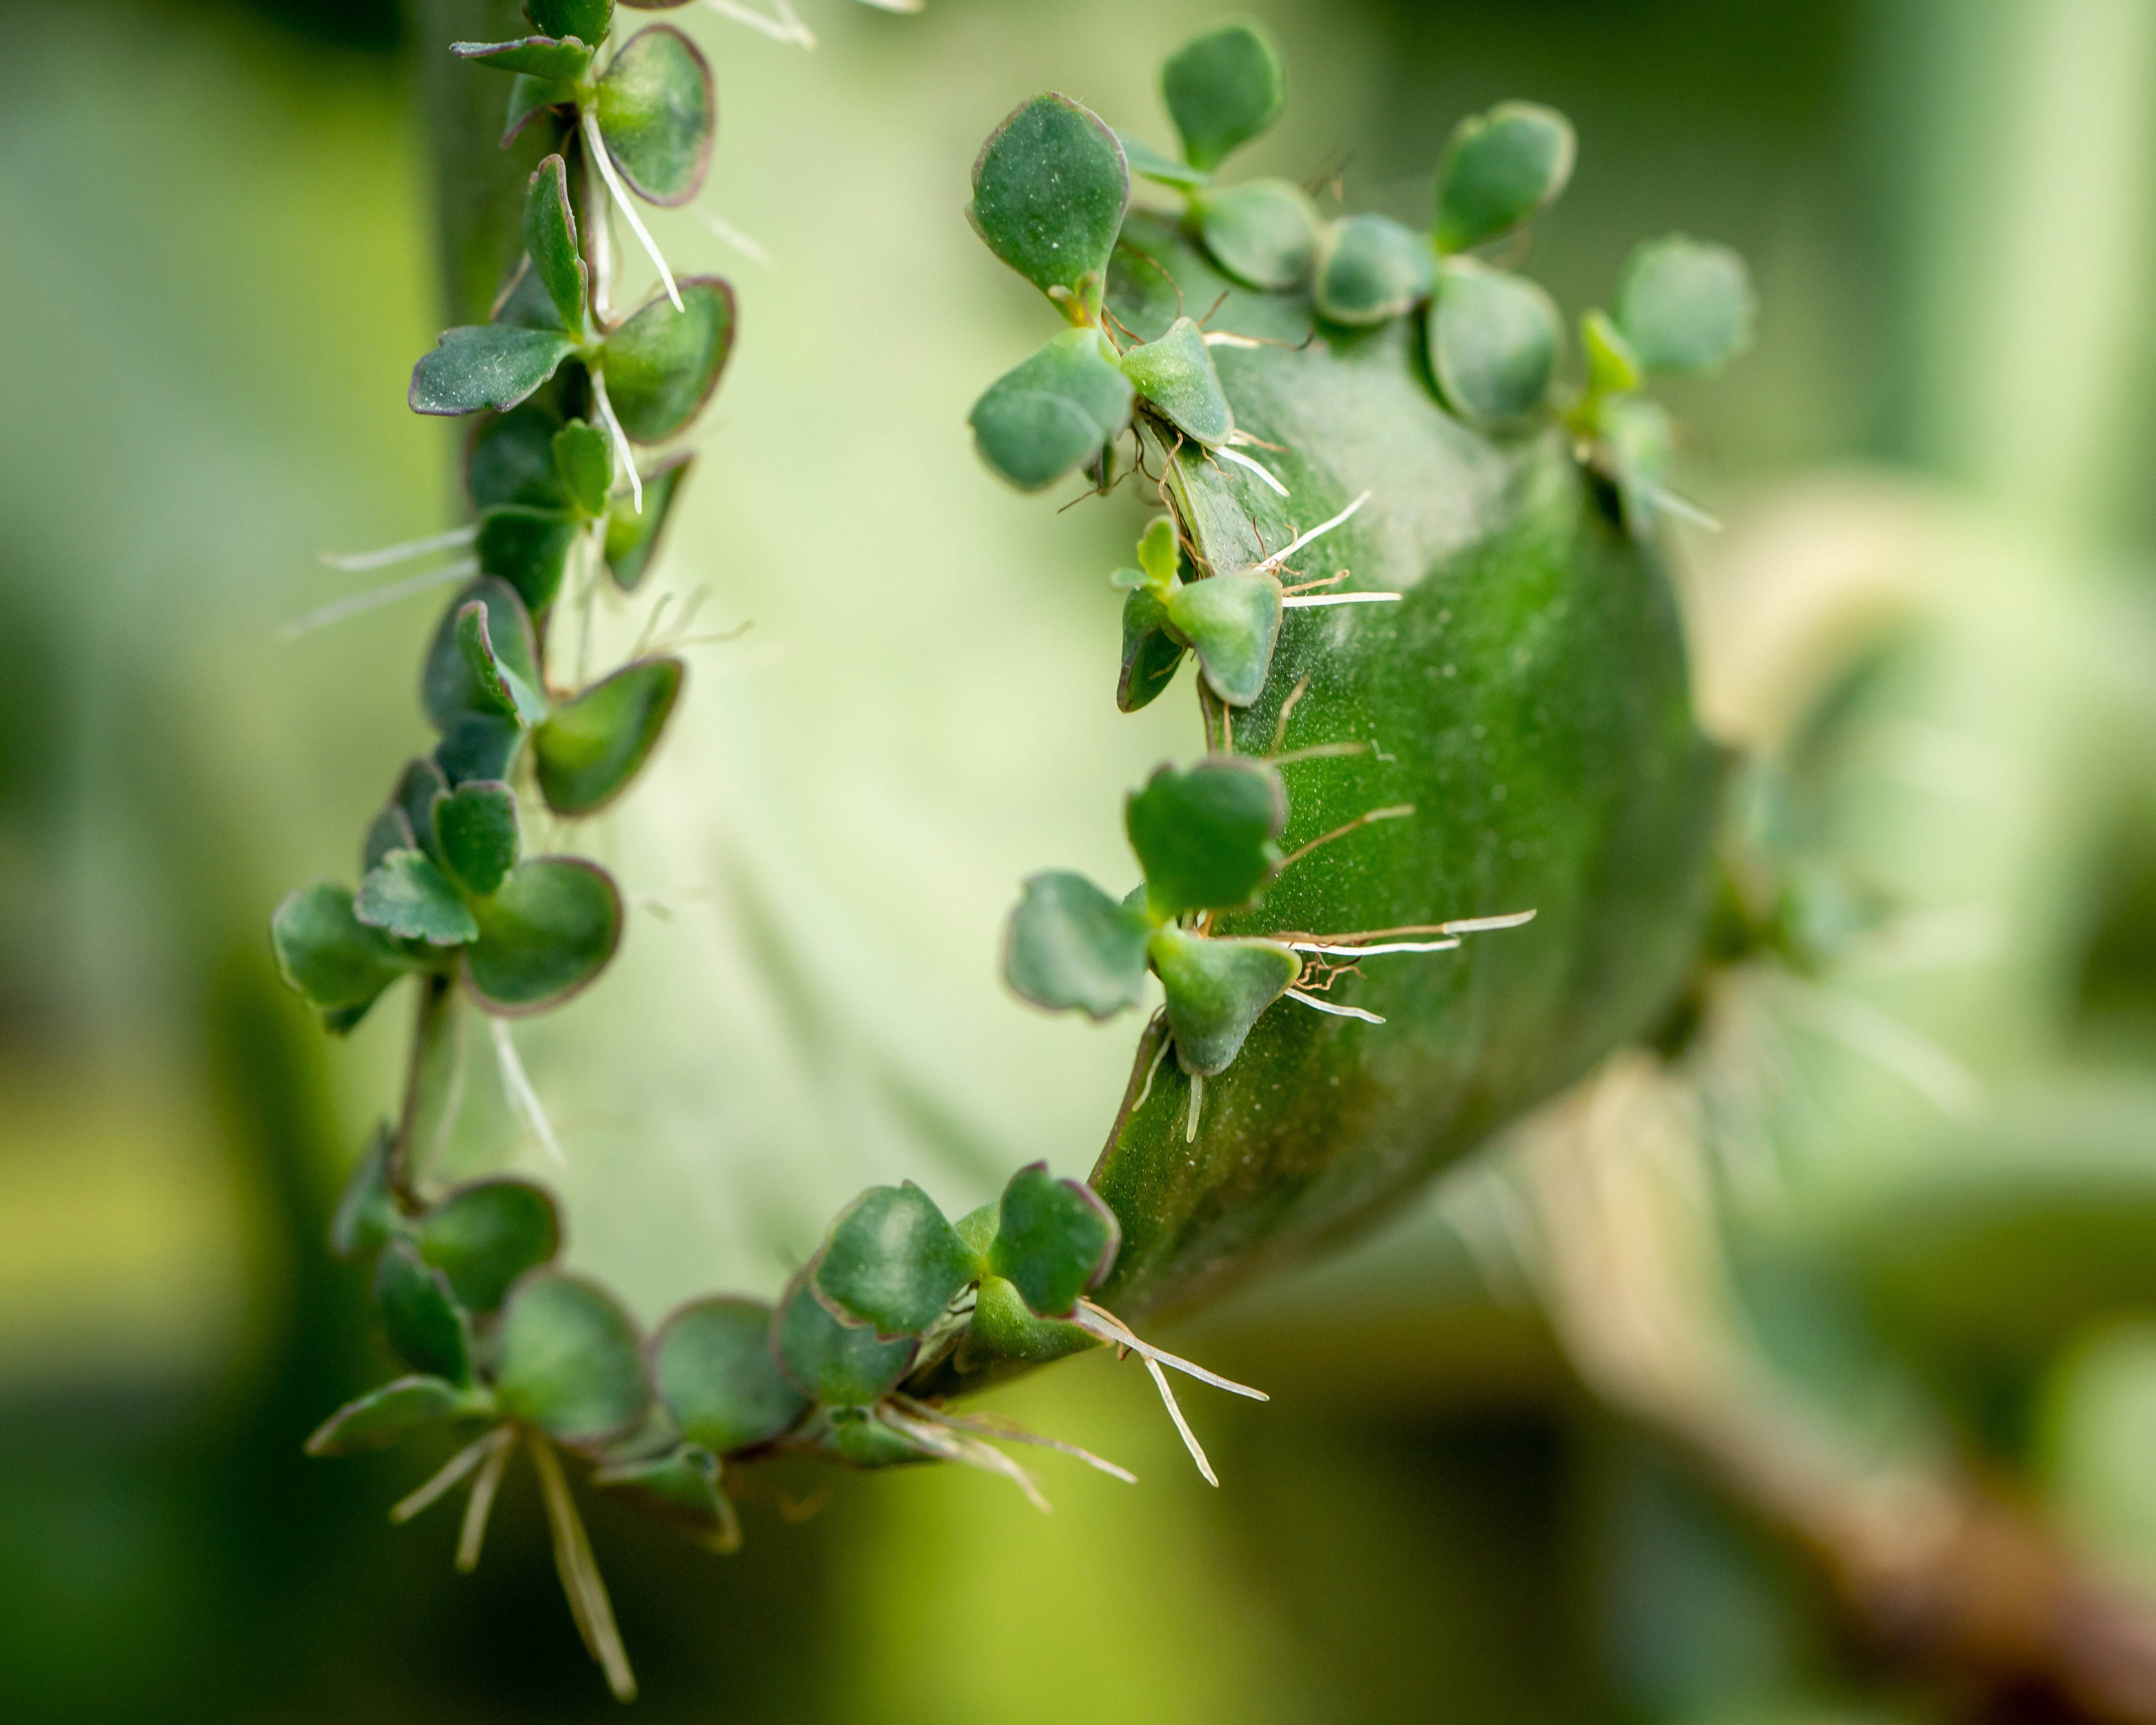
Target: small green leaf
(1636, 431)
(483, 1236)
(385, 1414)
(477, 745)
(1370, 269)
(568, 1360)
(529, 548)
(718, 1378)
(1493, 342)
(681, 1487)
(549, 929)
(1055, 412)
(1222, 87)
(1050, 189)
(1263, 234)
(662, 365)
(416, 787)
(838, 1364)
(447, 684)
(1204, 835)
(550, 241)
(1148, 163)
(586, 20)
(1054, 1241)
(389, 830)
(583, 456)
(489, 365)
(1684, 306)
(1070, 946)
(529, 97)
(633, 537)
(1151, 654)
(524, 304)
(511, 460)
(476, 833)
(420, 1316)
(409, 897)
(556, 60)
(497, 685)
(1216, 989)
(1612, 368)
(1501, 168)
(366, 1216)
(854, 1436)
(893, 1261)
(1232, 621)
(327, 954)
(1003, 1330)
(657, 112)
(593, 744)
(1176, 377)
(1160, 554)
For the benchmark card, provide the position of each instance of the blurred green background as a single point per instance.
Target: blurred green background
(1934, 604)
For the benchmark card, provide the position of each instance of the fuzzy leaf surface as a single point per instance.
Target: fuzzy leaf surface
(487, 365)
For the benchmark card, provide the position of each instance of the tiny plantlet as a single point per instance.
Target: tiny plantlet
(1441, 693)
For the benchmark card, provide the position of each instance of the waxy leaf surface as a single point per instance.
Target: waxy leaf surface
(549, 930)
(718, 1378)
(1050, 414)
(657, 113)
(487, 365)
(893, 1261)
(662, 365)
(568, 1359)
(1204, 834)
(1054, 1241)
(593, 745)
(1049, 187)
(1070, 946)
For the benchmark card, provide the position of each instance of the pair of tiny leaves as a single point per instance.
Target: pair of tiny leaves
(655, 106)
(481, 678)
(1207, 839)
(893, 1262)
(537, 482)
(1058, 410)
(1231, 620)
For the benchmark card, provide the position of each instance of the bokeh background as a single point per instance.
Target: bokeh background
(1934, 601)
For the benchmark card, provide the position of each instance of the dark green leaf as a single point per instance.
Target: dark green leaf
(475, 832)
(1148, 163)
(419, 1316)
(489, 365)
(586, 20)
(1176, 377)
(568, 1359)
(855, 1437)
(389, 830)
(1053, 413)
(892, 1262)
(524, 304)
(633, 537)
(387, 1413)
(1003, 1330)
(1493, 342)
(681, 1487)
(418, 785)
(512, 460)
(1222, 87)
(327, 953)
(477, 745)
(529, 548)
(1612, 368)
(543, 57)
(1070, 946)
(1263, 234)
(447, 685)
(583, 456)
(1160, 554)
(496, 686)
(1500, 169)
(1684, 306)
(550, 241)
(366, 1214)
(662, 365)
(547, 931)
(1050, 188)
(718, 1378)
(1215, 989)
(409, 897)
(657, 112)
(838, 1364)
(1054, 1241)
(1232, 621)
(593, 745)
(529, 97)
(1370, 269)
(1204, 835)
(1151, 654)
(484, 1235)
